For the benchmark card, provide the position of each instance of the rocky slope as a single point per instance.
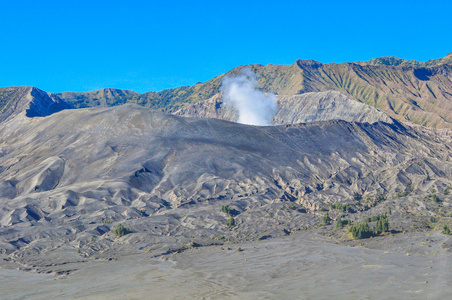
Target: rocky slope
(69, 178)
(409, 91)
(35, 102)
(324, 106)
(395, 61)
(293, 109)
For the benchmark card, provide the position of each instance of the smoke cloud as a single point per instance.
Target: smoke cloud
(254, 107)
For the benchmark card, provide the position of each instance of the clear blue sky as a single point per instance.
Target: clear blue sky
(152, 45)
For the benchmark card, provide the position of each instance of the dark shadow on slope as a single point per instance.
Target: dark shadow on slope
(423, 74)
(42, 105)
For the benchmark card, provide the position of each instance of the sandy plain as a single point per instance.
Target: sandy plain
(301, 266)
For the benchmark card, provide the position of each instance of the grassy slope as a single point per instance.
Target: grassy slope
(420, 92)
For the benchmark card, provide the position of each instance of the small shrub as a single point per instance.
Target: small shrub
(357, 197)
(361, 231)
(446, 230)
(408, 189)
(432, 219)
(193, 244)
(381, 226)
(121, 231)
(226, 209)
(401, 194)
(435, 198)
(292, 207)
(339, 224)
(341, 207)
(447, 191)
(326, 220)
(182, 248)
(380, 197)
(230, 222)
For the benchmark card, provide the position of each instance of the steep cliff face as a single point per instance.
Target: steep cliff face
(324, 106)
(292, 109)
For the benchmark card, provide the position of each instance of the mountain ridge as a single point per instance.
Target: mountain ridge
(31, 101)
(70, 177)
(408, 91)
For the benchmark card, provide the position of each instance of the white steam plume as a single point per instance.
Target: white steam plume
(253, 106)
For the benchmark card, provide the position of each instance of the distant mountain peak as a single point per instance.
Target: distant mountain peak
(447, 59)
(308, 63)
(42, 105)
(30, 100)
(387, 60)
(395, 61)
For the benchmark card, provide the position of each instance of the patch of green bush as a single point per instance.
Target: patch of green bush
(326, 220)
(447, 191)
(371, 201)
(357, 197)
(292, 207)
(408, 189)
(381, 226)
(121, 231)
(375, 218)
(380, 197)
(339, 223)
(402, 194)
(363, 230)
(446, 230)
(226, 209)
(434, 198)
(230, 222)
(341, 207)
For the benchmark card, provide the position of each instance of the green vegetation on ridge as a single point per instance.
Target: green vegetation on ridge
(406, 90)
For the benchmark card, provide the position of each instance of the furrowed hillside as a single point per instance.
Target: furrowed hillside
(409, 91)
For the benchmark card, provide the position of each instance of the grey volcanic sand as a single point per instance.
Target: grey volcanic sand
(69, 178)
(302, 266)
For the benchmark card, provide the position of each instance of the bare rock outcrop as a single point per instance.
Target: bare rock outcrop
(70, 177)
(292, 109)
(31, 101)
(324, 106)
